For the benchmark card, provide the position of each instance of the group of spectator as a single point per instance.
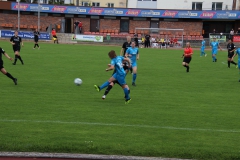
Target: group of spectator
(158, 42)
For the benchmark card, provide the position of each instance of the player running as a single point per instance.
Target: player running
(126, 68)
(2, 69)
(203, 49)
(187, 56)
(36, 37)
(231, 48)
(237, 53)
(215, 45)
(133, 54)
(16, 42)
(116, 63)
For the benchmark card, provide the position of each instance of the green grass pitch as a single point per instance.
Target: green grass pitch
(172, 113)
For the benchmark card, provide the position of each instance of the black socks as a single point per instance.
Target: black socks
(10, 76)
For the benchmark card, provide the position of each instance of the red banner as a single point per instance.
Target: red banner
(236, 38)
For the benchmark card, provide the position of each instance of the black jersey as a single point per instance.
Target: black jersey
(36, 34)
(126, 45)
(17, 40)
(136, 39)
(1, 52)
(147, 37)
(230, 47)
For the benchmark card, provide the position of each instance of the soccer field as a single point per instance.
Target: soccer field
(172, 113)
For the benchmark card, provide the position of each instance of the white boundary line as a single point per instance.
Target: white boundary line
(224, 63)
(125, 125)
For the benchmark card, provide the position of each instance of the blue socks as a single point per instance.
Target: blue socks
(126, 92)
(214, 58)
(134, 77)
(105, 84)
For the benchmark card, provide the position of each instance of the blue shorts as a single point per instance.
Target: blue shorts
(214, 51)
(120, 78)
(134, 64)
(238, 64)
(202, 49)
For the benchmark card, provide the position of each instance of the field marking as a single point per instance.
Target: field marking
(224, 63)
(126, 125)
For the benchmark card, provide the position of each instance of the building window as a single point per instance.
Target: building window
(217, 6)
(110, 4)
(124, 25)
(95, 4)
(85, 4)
(196, 5)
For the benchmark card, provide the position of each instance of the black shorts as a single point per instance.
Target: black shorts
(1, 65)
(230, 55)
(187, 59)
(35, 39)
(55, 36)
(16, 48)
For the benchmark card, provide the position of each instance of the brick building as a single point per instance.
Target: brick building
(99, 24)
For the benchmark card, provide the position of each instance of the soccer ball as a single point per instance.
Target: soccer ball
(78, 81)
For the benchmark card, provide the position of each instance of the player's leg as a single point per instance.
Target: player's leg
(108, 89)
(187, 63)
(134, 75)
(231, 61)
(122, 82)
(19, 57)
(37, 43)
(3, 70)
(105, 84)
(214, 57)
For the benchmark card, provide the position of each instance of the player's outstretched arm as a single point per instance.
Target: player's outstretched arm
(110, 68)
(234, 55)
(121, 53)
(6, 55)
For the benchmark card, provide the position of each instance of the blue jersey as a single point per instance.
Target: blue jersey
(203, 44)
(117, 63)
(238, 53)
(132, 54)
(214, 45)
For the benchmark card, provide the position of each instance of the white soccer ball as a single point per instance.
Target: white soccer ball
(78, 81)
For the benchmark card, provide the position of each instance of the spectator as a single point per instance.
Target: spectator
(76, 24)
(136, 39)
(147, 40)
(238, 31)
(231, 34)
(80, 27)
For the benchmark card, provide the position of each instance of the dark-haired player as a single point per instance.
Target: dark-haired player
(133, 54)
(119, 75)
(36, 37)
(231, 48)
(125, 46)
(2, 69)
(16, 43)
(126, 68)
